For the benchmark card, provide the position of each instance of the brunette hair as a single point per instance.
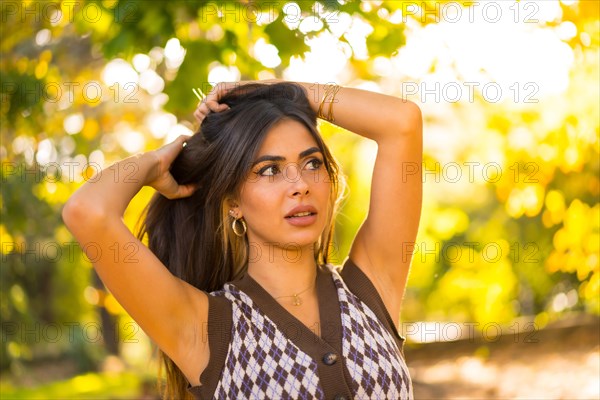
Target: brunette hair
(193, 236)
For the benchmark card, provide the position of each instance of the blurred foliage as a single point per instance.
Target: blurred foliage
(99, 80)
(525, 242)
(124, 385)
(65, 103)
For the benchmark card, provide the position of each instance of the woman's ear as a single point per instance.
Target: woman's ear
(233, 208)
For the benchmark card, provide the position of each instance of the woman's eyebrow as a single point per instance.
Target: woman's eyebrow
(268, 157)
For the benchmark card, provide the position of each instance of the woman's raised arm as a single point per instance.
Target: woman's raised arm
(384, 243)
(169, 310)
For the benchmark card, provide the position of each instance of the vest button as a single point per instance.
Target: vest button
(330, 358)
(339, 397)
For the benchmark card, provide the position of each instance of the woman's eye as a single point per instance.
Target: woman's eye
(272, 168)
(316, 163)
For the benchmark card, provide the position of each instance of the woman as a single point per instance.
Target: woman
(236, 288)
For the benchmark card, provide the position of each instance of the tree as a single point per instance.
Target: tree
(91, 82)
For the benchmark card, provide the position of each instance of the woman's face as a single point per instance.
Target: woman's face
(289, 171)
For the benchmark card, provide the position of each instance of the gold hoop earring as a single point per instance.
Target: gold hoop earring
(233, 226)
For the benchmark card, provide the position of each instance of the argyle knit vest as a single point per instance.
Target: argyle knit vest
(263, 362)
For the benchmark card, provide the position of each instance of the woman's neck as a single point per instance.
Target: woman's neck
(282, 273)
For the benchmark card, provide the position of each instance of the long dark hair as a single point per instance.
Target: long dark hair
(193, 236)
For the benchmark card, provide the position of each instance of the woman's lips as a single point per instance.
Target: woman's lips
(302, 221)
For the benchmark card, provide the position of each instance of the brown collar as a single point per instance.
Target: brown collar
(294, 329)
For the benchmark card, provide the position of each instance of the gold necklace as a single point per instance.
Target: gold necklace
(297, 300)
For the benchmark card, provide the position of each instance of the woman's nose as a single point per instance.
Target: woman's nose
(298, 183)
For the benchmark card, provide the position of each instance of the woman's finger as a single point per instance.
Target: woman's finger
(175, 191)
(185, 191)
(168, 187)
(213, 106)
(211, 102)
(170, 151)
(199, 116)
(203, 108)
(219, 90)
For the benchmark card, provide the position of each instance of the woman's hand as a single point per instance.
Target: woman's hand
(160, 178)
(211, 102)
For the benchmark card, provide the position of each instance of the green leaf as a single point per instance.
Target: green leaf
(289, 42)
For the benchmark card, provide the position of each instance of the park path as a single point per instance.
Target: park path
(563, 362)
